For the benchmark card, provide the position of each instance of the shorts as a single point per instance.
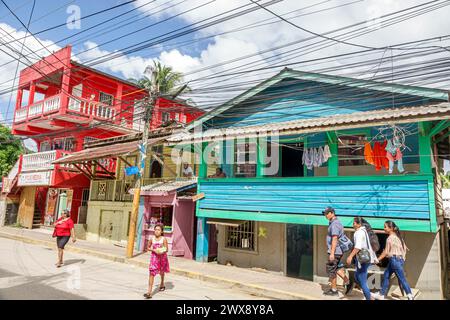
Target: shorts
(333, 267)
(62, 241)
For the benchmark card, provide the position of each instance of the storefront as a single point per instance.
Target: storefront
(171, 204)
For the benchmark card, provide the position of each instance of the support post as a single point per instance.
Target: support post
(333, 162)
(32, 91)
(141, 158)
(202, 249)
(261, 157)
(425, 148)
(65, 88)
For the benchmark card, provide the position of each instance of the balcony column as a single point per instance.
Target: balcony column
(118, 102)
(19, 99)
(65, 89)
(31, 95)
(261, 156)
(425, 153)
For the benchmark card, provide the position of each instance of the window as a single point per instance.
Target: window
(177, 116)
(162, 215)
(242, 237)
(351, 150)
(183, 118)
(245, 159)
(106, 98)
(77, 90)
(165, 117)
(90, 139)
(46, 146)
(67, 144)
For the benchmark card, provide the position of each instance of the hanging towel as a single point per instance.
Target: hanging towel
(326, 153)
(307, 158)
(368, 154)
(316, 158)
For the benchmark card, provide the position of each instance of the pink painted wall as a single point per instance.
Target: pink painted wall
(181, 240)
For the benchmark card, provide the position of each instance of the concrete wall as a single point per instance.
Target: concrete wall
(422, 267)
(270, 253)
(117, 213)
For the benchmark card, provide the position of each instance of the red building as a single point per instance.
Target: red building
(62, 104)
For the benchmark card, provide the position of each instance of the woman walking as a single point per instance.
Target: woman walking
(363, 255)
(63, 231)
(395, 251)
(159, 263)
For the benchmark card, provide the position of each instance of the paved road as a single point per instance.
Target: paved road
(28, 272)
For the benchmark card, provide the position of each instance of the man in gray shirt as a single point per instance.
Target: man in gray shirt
(334, 268)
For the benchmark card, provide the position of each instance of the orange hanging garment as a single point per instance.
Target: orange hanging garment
(368, 154)
(379, 154)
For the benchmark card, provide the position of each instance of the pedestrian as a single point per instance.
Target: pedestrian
(395, 251)
(362, 254)
(159, 263)
(336, 237)
(63, 231)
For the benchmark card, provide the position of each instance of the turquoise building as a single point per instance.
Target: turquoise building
(268, 208)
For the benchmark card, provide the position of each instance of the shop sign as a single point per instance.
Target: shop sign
(35, 179)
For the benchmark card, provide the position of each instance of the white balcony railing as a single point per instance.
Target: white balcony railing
(52, 104)
(92, 108)
(35, 110)
(21, 115)
(38, 161)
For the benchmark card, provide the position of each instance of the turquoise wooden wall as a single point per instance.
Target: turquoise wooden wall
(399, 198)
(298, 99)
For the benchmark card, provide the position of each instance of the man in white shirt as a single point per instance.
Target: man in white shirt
(187, 171)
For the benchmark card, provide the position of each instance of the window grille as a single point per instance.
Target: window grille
(106, 98)
(242, 237)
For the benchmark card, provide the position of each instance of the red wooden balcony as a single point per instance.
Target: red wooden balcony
(79, 107)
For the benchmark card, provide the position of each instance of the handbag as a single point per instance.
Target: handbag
(363, 255)
(345, 243)
(54, 233)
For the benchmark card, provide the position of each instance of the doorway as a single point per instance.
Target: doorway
(156, 170)
(291, 160)
(299, 255)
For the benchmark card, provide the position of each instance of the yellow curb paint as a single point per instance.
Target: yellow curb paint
(187, 273)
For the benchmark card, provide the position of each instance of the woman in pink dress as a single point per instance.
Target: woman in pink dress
(159, 263)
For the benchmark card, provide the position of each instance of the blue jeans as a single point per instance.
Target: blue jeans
(361, 278)
(395, 266)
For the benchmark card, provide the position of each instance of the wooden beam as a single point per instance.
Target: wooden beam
(443, 124)
(83, 172)
(106, 170)
(126, 162)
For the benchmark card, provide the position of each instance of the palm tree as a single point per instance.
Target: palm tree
(167, 80)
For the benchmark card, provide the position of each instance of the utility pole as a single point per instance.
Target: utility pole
(141, 160)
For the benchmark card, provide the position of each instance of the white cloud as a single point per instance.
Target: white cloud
(8, 66)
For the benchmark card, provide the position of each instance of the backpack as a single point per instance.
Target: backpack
(345, 243)
(373, 238)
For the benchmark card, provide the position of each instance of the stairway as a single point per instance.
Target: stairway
(37, 218)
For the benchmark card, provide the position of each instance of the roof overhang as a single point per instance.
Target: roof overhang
(321, 124)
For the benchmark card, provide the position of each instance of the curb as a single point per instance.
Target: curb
(252, 289)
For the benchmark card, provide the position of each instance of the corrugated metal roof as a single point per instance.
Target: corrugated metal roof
(104, 152)
(357, 119)
(168, 186)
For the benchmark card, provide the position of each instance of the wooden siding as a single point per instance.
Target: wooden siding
(387, 199)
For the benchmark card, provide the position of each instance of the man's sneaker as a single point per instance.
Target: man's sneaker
(331, 292)
(349, 287)
(377, 296)
(410, 296)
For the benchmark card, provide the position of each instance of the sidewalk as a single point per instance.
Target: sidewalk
(259, 283)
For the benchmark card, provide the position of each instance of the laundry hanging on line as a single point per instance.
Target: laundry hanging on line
(384, 154)
(315, 157)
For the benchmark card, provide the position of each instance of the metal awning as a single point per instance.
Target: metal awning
(372, 118)
(165, 187)
(225, 222)
(108, 151)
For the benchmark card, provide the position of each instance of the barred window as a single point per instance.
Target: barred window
(242, 237)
